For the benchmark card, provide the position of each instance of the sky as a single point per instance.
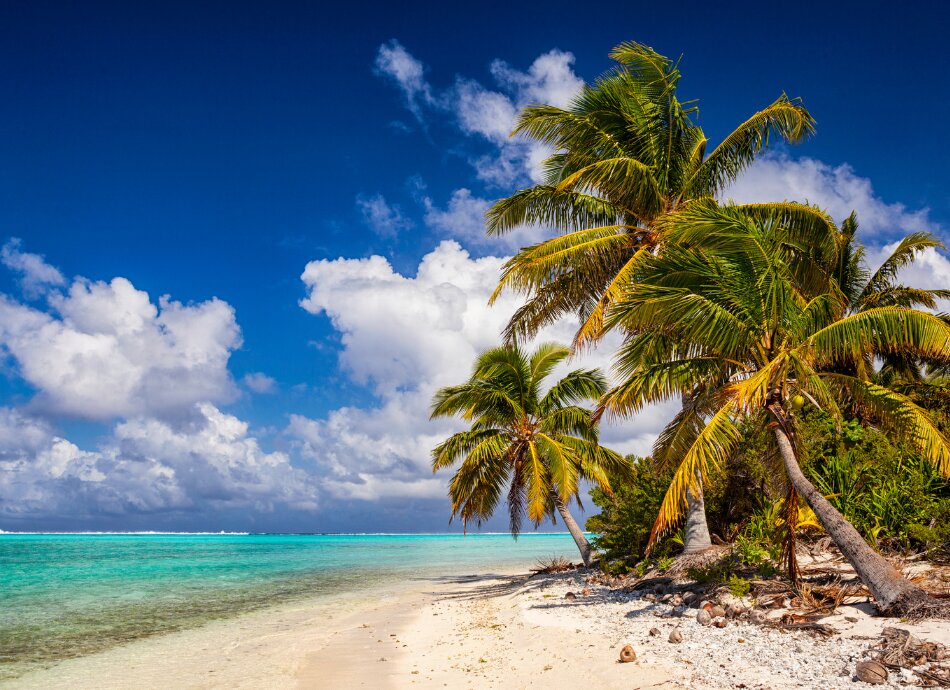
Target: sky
(242, 243)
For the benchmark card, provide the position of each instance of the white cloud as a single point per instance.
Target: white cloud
(492, 114)
(550, 79)
(260, 382)
(34, 273)
(145, 466)
(839, 190)
(405, 337)
(463, 219)
(489, 113)
(106, 350)
(385, 220)
(395, 62)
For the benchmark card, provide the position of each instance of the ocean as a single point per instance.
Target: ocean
(67, 595)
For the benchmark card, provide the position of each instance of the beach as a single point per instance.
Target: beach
(493, 630)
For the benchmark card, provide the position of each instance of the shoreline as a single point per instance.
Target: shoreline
(495, 630)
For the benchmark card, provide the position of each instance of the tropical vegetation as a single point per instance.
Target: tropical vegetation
(742, 317)
(812, 390)
(627, 153)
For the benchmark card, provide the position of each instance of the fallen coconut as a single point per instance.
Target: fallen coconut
(676, 635)
(627, 655)
(654, 632)
(570, 596)
(717, 612)
(871, 672)
(703, 617)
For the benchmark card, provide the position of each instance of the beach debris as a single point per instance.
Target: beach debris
(570, 596)
(720, 622)
(689, 597)
(554, 564)
(676, 635)
(900, 648)
(649, 597)
(757, 617)
(703, 617)
(654, 632)
(627, 655)
(871, 672)
(586, 592)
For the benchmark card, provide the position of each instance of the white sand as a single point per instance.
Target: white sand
(497, 631)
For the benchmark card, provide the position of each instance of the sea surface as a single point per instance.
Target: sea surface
(66, 595)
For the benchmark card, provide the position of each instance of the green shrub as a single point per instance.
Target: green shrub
(626, 518)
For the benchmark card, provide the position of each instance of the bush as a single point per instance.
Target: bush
(626, 518)
(894, 498)
(885, 490)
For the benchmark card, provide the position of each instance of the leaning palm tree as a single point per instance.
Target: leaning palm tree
(539, 444)
(744, 334)
(627, 154)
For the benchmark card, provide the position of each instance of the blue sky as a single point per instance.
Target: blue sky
(249, 235)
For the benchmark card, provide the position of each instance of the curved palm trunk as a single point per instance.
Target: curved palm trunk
(891, 590)
(697, 530)
(587, 552)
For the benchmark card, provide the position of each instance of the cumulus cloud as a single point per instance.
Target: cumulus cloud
(405, 337)
(105, 350)
(34, 273)
(385, 220)
(837, 189)
(145, 466)
(260, 382)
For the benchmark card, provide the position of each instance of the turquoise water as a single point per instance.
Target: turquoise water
(63, 596)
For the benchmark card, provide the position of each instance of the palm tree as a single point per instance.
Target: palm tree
(744, 333)
(539, 444)
(627, 153)
(864, 290)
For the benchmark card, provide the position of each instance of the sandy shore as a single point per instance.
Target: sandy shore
(489, 631)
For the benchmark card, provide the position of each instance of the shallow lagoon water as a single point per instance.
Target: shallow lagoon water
(63, 596)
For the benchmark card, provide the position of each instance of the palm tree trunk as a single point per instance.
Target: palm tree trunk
(587, 553)
(892, 591)
(697, 531)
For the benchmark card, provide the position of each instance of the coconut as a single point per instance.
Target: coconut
(872, 672)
